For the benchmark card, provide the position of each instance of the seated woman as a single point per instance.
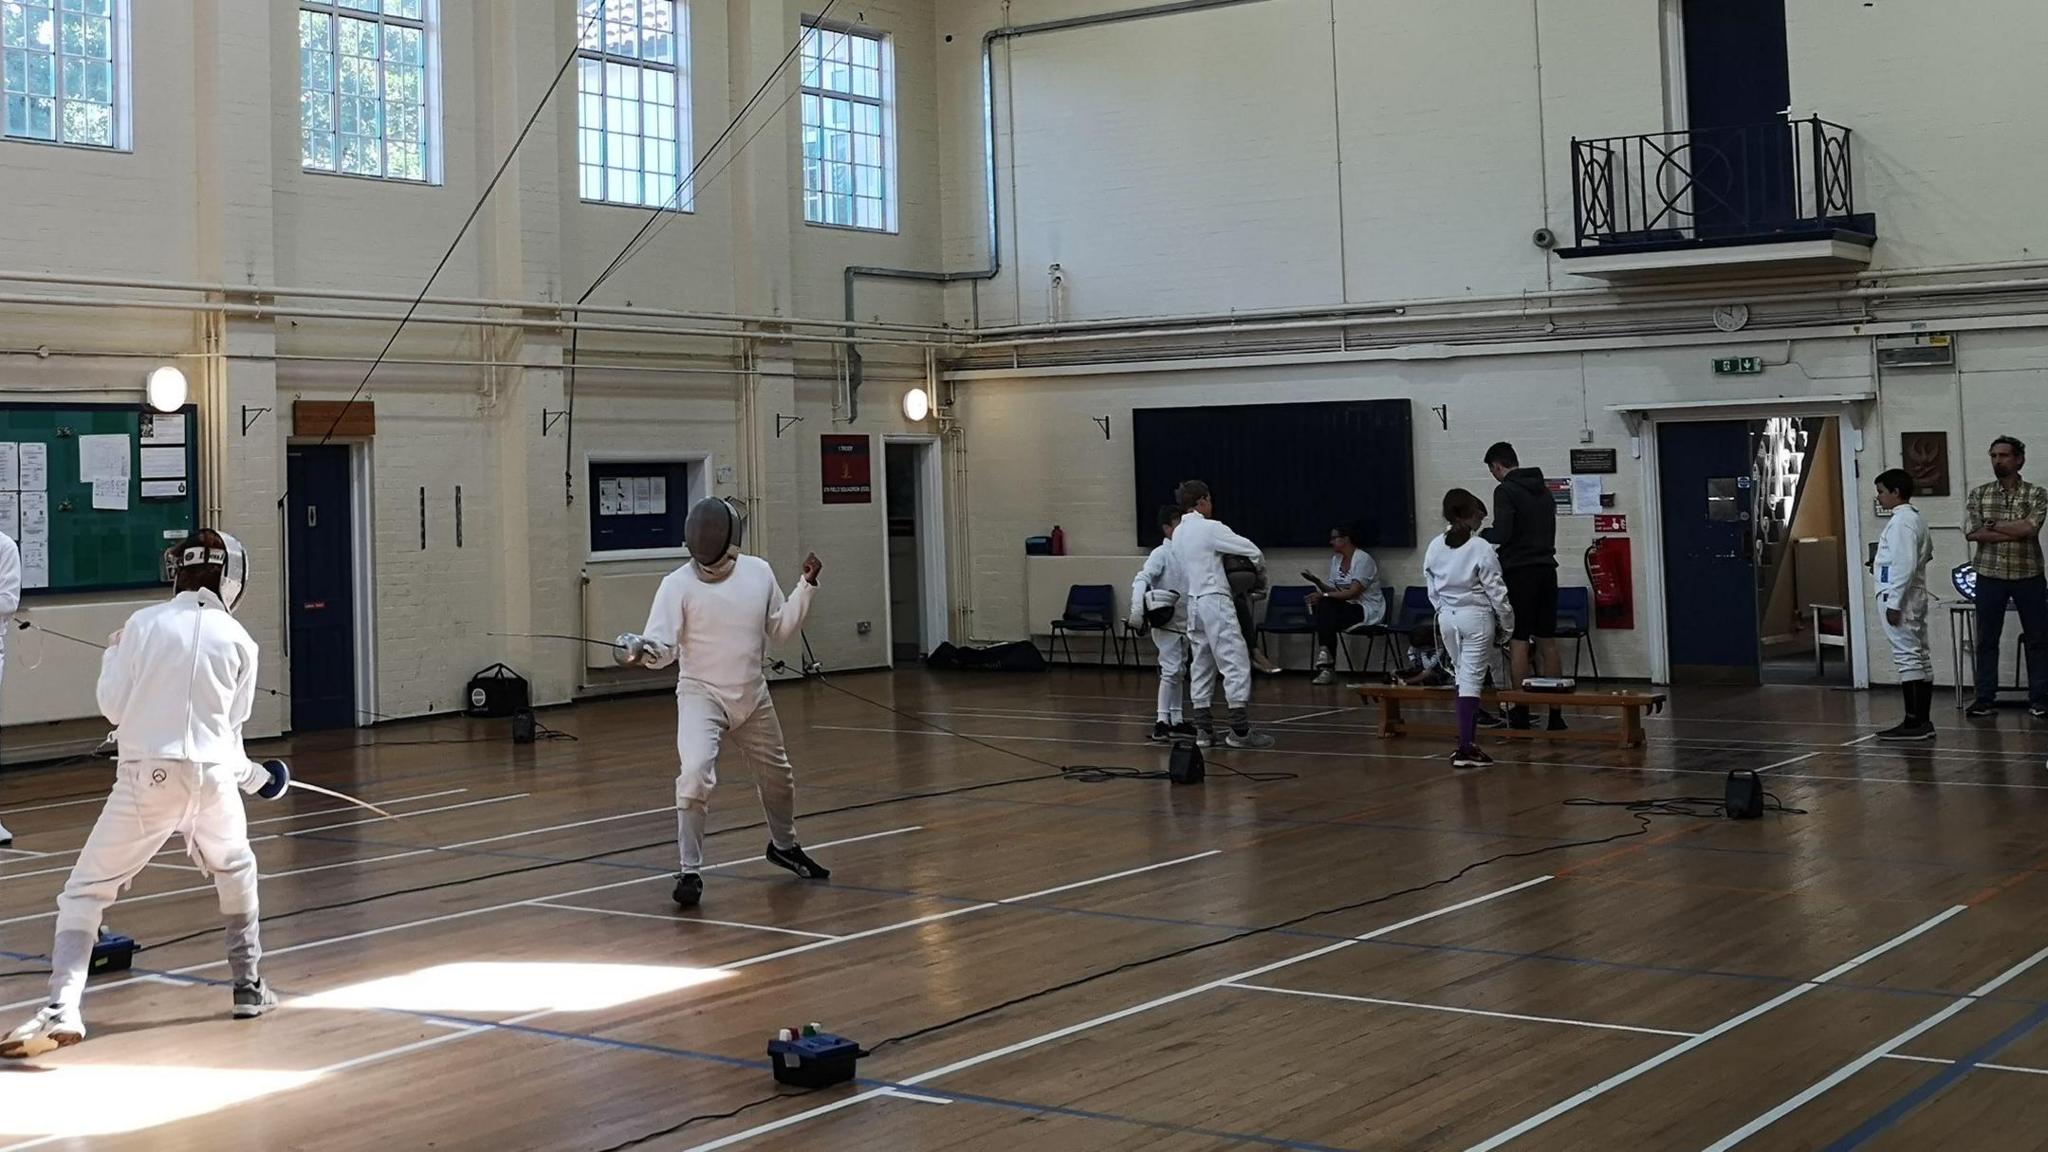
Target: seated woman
(1247, 579)
(1351, 595)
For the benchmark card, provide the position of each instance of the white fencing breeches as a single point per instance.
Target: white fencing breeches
(1468, 645)
(1213, 630)
(151, 801)
(701, 728)
(1908, 637)
(1173, 672)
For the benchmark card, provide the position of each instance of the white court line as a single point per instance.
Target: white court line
(1104, 743)
(1721, 1029)
(1787, 763)
(1865, 738)
(1829, 1081)
(401, 815)
(677, 919)
(59, 804)
(1107, 1018)
(919, 1097)
(1986, 1067)
(1317, 716)
(1465, 1011)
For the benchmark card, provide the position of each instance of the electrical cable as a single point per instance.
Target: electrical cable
(1696, 807)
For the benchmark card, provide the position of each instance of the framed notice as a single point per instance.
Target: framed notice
(848, 469)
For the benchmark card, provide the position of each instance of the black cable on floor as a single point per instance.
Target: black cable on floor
(1695, 807)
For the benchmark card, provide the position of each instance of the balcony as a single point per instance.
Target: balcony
(1760, 199)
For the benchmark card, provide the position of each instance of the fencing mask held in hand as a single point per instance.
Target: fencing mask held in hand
(713, 532)
(1159, 606)
(207, 548)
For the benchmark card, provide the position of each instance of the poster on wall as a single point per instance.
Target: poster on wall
(848, 467)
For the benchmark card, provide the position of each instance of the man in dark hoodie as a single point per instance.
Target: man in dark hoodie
(1525, 533)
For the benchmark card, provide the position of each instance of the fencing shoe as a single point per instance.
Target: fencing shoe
(57, 1026)
(794, 859)
(253, 999)
(689, 889)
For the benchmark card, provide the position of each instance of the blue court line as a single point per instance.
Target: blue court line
(1904, 1106)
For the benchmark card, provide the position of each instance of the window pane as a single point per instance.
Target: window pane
(316, 112)
(409, 9)
(13, 26)
(317, 151)
(42, 75)
(867, 82)
(360, 5)
(17, 115)
(42, 118)
(867, 52)
(867, 118)
(868, 213)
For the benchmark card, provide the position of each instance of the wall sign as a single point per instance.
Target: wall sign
(1615, 523)
(848, 469)
(1596, 461)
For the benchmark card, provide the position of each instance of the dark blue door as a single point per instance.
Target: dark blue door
(1708, 503)
(1738, 82)
(321, 536)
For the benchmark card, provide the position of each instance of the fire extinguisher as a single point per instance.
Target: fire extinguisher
(1608, 571)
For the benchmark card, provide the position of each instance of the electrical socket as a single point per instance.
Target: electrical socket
(863, 627)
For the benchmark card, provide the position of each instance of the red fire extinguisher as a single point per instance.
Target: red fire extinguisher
(1608, 571)
(1059, 541)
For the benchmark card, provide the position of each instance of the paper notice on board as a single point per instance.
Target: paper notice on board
(1585, 495)
(657, 495)
(10, 515)
(35, 563)
(163, 463)
(102, 457)
(110, 494)
(643, 495)
(35, 467)
(35, 516)
(608, 497)
(10, 466)
(164, 490)
(164, 430)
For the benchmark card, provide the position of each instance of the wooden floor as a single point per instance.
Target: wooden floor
(501, 967)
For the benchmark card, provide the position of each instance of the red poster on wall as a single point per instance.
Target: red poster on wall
(849, 474)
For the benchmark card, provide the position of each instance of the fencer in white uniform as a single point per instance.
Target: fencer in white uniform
(1200, 543)
(1159, 605)
(1900, 573)
(712, 618)
(10, 599)
(1462, 573)
(178, 681)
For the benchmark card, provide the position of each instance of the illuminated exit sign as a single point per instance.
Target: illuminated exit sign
(1739, 366)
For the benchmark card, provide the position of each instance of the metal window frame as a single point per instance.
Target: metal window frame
(884, 104)
(429, 27)
(682, 196)
(120, 107)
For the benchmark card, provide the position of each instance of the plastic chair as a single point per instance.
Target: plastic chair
(1287, 613)
(1575, 623)
(1090, 608)
(1377, 636)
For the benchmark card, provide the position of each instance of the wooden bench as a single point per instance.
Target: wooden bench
(1629, 705)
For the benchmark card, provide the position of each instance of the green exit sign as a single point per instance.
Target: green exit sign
(1739, 366)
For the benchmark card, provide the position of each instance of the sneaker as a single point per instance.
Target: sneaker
(1980, 710)
(1249, 739)
(689, 890)
(1160, 732)
(1324, 658)
(1182, 731)
(1556, 721)
(1518, 717)
(1324, 678)
(1205, 738)
(253, 1000)
(795, 860)
(1491, 719)
(1471, 758)
(2038, 711)
(1906, 730)
(57, 1026)
(1265, 666)
(6, 837)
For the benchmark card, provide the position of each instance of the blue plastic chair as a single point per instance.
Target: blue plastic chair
(1378, 636)
(1090, 608)
(1575, 623)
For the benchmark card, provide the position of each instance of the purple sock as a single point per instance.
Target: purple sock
(1468, 721)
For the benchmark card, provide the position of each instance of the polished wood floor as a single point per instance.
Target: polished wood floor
(501, 967)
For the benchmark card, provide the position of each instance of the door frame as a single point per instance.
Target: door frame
(934, 601)
(1643, 420)
(362, 603)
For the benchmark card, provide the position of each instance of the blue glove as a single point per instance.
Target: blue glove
(280, 779)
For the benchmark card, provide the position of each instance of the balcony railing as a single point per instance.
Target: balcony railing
(1756, 183)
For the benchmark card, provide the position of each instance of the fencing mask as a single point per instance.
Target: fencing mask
(713, 532)
(1159, 606)
(207, 548)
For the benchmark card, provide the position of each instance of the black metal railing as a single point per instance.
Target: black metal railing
(1713, 184)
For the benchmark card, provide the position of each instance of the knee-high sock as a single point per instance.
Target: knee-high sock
(70, 956)
(690, 835)
(245, 947)
(1468, 721)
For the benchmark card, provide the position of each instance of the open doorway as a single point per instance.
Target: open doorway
(1756, 551)
(915, 540)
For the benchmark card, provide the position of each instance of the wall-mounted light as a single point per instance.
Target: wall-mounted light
(166, 389)
(917, 404)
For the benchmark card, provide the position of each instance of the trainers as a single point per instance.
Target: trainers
(795, 860)
(6, 837)
(253, 1000)
(1160, 732)
(689, 890)
(1471, 758)
(2038, 711)
(1324, 678)
(1324, 658)
(1249, 739)
(57, 1026)
(1980, 710)
(1182, 731)
(1906, 730)
(1556, 721)
(1491, 719)
(1205, 737)
(1518, 718)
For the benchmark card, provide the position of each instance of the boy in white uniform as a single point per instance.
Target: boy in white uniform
(178, 681)
(713, 618)
(1900, 568)
(1178, 645)
(1200, 543)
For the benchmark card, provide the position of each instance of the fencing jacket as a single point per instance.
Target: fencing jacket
(178, 681)
(1200, 544)
(10, 586)
(717, 633)
(1162, 570)
(1467, 577)
(1903, 553)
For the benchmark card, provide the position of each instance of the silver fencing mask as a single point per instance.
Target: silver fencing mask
(207, 548)
(712, 532)
(1160, 604)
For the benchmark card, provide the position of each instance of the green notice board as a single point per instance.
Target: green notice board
(88, 548)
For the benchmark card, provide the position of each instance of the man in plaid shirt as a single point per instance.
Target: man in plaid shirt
(2004, 520)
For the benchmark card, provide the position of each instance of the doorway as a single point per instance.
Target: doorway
(321, 588)
(915, 543)
(1738, 86)
(1755, 551)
